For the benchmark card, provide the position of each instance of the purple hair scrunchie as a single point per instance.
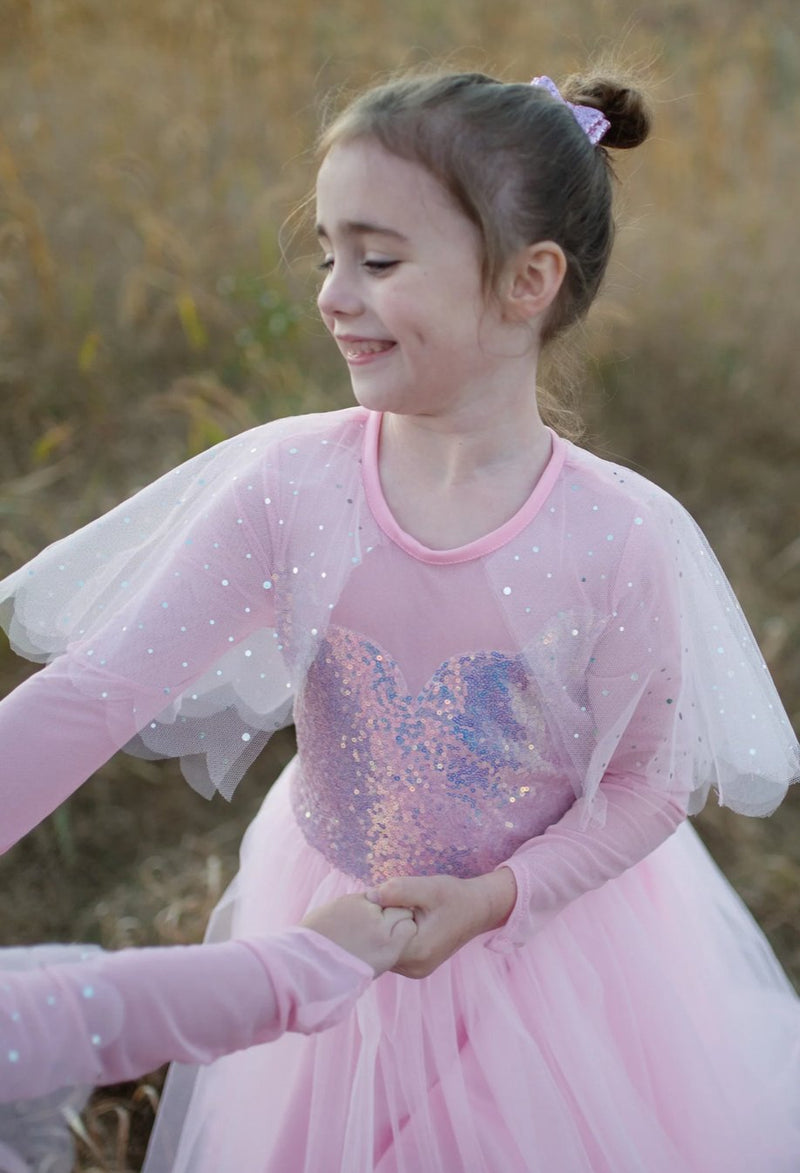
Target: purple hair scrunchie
(591, 121)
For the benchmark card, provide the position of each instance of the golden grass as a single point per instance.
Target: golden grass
(149, 154)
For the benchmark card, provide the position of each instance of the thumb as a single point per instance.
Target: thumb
(401, 892)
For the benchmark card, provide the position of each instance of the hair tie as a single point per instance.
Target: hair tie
(592, 122)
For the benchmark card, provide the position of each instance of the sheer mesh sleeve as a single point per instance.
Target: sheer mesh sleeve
(190, 621)
(673, 698)
(639, 648)
(181, 623)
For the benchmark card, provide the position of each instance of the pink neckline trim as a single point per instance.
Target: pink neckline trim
(481, 546)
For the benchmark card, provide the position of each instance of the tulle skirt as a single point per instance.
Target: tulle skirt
(647, 1029)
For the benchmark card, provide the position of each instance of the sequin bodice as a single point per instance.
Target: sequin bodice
(452, 780)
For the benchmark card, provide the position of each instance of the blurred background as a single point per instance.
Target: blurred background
(151, 157)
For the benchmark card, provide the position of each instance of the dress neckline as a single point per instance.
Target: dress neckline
(478, 548)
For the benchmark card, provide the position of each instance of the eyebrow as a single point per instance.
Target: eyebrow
(364, 228)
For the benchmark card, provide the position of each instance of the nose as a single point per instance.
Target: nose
(339, 296)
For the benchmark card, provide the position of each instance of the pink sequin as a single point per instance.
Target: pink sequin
(450, 781)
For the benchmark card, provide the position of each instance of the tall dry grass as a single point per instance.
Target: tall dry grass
(149, 154)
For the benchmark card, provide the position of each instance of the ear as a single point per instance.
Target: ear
(532, 280)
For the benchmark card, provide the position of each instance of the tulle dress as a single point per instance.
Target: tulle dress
(553, 698)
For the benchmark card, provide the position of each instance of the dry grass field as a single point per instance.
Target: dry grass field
(150, 154)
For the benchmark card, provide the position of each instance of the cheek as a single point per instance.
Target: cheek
(405, 314)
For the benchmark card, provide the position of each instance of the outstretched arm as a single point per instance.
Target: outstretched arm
(53, 738)
(200, 599)
(106, 1017)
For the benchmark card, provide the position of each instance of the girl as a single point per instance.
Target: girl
(513, 669)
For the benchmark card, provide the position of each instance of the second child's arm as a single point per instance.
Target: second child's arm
(105, 1017)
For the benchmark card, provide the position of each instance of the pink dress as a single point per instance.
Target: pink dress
(553, 698)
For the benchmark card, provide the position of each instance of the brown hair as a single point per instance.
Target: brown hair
(514, 160)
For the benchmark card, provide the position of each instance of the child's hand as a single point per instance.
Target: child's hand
(377, 935)
(448, 911)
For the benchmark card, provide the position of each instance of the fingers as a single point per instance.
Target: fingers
(407, 891)
(403, 932)
(376, 935)
(393, 915)
(400, 924)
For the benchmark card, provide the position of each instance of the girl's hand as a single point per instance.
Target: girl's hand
(376, 935)
(448, 911)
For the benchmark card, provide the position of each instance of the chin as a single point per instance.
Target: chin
(377, 399)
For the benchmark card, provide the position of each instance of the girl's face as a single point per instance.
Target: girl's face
(402, 293)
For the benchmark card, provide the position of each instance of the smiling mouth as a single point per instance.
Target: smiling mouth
(366, 348)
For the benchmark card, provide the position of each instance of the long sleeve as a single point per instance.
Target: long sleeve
(114, 1016)
(186, 615)
(53, 738)
(633, 692)
(570, 858)
(205, 600)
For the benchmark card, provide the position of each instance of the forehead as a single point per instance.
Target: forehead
(360, 184)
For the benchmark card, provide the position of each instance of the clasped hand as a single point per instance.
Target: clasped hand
(448, 912)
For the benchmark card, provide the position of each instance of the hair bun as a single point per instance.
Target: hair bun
(623, 105)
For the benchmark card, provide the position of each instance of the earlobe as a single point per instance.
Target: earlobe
(535, 276)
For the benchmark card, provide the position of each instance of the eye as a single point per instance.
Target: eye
(325, 265)
(379, 266)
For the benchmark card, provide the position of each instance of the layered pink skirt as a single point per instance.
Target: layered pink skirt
(648, 1029)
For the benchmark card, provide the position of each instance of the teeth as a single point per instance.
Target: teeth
(357, 349)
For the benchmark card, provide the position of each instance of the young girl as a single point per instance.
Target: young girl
(513, 669)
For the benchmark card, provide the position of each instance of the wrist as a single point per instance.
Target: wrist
(496, 896)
